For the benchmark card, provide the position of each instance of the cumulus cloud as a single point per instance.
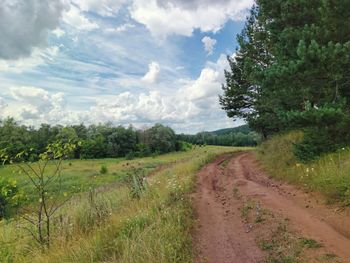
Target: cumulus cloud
(193, 104)
(152, 74)
(33, 106)
(25, 24)
(181, 17)
(209, 44)
(38, 98)
(195, 101)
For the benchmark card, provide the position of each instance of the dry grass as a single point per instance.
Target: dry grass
(118, 228)
(329, 175)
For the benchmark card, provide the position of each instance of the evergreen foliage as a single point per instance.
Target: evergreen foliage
(293, 59)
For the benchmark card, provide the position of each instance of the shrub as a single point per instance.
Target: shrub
(130, 156)
(8, 196)
(183, 146)
(103, 169)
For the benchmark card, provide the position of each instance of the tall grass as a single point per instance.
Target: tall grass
(329, 175)
(112, 226)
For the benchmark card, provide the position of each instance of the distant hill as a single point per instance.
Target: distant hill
(243, 129)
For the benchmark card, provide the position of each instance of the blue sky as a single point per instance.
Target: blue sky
(125, 61)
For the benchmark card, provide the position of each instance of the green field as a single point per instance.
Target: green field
(116, 227)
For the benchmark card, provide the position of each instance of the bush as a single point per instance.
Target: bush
(8, 196)
(103, 169)
(183, 146)
(326, 129)
(328, 174)
(130, 156)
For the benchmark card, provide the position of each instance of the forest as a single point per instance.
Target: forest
(109, 141)
(291, 70)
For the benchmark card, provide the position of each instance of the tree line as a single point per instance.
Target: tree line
(94, 141)
(291, 70)
(108, 141)
(227, 139)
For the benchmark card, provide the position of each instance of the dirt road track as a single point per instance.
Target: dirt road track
(221, 235)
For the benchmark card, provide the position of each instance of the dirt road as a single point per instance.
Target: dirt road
(232, 197)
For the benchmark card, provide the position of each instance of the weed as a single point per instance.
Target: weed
(137, 182)
(265, 245)
(310, 243)
(235, 192)
(247, 207)
(224, 163)
(329, 257)
(103, 169)
(130, 156)
(328, 175)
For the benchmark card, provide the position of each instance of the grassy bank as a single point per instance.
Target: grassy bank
(329, 175)
(111, 226)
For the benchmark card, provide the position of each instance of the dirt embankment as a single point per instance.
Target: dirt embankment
(244, 216)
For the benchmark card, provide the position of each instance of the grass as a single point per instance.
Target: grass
(310, 243)
(329, 175)
(274, 236)
(111, 225)
(81, 175)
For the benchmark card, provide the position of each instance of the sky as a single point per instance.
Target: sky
(136, 62)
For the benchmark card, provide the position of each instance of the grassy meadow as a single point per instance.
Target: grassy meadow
(108, 224)
(329, 174)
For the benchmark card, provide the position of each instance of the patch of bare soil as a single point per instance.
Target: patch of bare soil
(244, 216)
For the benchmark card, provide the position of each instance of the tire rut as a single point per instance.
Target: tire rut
(221, 236)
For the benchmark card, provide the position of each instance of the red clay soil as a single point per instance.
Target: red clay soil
(221, 236)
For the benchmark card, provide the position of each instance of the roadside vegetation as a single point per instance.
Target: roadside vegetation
(329, 174)
(123, 219)
(291, 71)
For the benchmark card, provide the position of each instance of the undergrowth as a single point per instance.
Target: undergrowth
(329, 174)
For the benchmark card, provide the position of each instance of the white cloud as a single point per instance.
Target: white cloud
(196, 101)
(33, 106)
(38, 57)
(24, 25)
(3, 105)
(192, 106)
(181, 17)
(58, 32)
(101, 7)
(209, 44)
(121, 28)
(75, 18)
(152, 74)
